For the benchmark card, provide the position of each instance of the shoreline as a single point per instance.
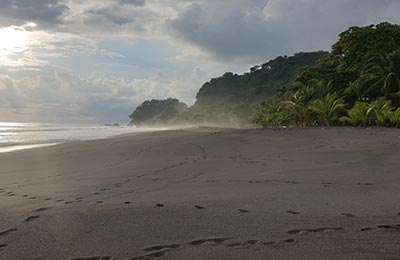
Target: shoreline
(13, 148)
(5, 148)
(205, 193)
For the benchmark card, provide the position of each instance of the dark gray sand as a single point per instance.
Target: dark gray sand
(205, 193)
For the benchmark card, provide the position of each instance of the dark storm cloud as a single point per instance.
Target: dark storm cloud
(256, 30)
(44, 12)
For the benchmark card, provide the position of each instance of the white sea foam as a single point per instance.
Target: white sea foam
(17, 136)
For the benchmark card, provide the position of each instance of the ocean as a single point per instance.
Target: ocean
(17, 136)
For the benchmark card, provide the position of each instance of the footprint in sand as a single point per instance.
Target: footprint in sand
(291, 182)
(315, 230)
(289, 240)
(365, 184)
(348, 215)
(94, 258)
(280, 243)
(6, 232)
(395, 227)
(216, 240)
(42, 209)
(161, 247)
(151, 256)
(31, 218)
(243, 245)
(243, 211)
(390, 227)
(366, 229)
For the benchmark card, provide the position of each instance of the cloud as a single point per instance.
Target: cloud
(257, 30)
(55, 95)
(43, 12)
(132, 2)
(90, 60)
(111, 18)
(30, 46)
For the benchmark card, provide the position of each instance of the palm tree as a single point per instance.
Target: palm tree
(263, 114)
(327, 108)
(322, 88)
(360, 114)
(394, 117)
(358, 90)
(298, 103)
(382, 73)
(382, 109)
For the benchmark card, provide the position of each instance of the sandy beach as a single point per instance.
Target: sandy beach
(205, 193)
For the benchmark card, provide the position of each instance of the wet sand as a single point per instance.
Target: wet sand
(205, 193)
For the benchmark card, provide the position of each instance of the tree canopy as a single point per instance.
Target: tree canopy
(357, 83)
(158, 112)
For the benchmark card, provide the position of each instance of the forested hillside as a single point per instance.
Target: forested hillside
(158, 112)
(229, 99)
(357, 83)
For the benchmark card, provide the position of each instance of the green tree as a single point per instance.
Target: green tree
(394, 117)
(360, 114)
(327, 108)
(158, 112)
(298, 104)
(382, 110)
(348, 57)
(230, 92)
(268, 113)
(357, 91)
(382, 73)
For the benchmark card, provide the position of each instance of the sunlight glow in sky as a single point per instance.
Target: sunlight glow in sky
(13, 40)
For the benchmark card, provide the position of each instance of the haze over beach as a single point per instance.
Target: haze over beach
(197, 129)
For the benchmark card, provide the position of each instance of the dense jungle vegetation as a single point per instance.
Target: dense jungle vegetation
(357, 83)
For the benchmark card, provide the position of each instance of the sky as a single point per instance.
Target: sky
(90, 61)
